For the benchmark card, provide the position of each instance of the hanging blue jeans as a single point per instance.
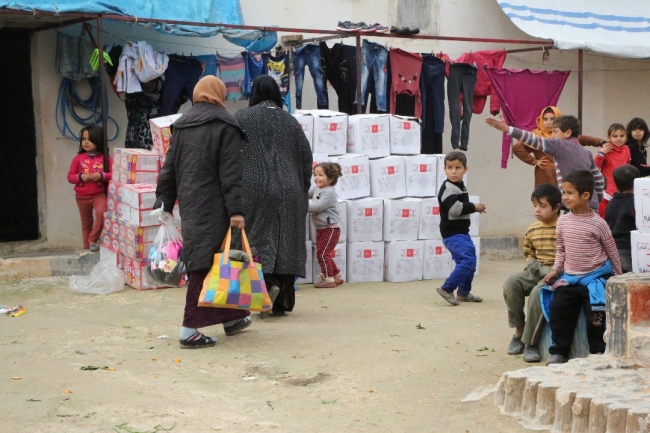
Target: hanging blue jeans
(309, 55)
(432, 88)
(374, 59)
(463, 253)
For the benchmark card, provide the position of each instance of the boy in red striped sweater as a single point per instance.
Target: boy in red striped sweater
(586, 256)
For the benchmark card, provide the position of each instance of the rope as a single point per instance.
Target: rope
(69, 102)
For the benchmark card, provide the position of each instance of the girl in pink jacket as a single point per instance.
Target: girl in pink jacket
(89, 177)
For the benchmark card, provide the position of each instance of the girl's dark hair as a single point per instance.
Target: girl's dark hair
(615, 127)
(637, 123)
(332, 171)
(548, 110)
(96, 137)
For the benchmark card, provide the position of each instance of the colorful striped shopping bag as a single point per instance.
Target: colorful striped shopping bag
(235, 284)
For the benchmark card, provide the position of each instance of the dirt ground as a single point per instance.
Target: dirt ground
(361, 358)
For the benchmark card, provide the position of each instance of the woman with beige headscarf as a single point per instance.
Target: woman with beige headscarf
(203, 171)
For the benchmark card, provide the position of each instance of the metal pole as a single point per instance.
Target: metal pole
(103, 97)
(358, 59)
(580, 84)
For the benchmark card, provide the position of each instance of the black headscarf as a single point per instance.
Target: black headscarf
(264, 88)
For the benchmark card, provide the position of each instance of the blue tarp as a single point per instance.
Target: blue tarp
(206, 11)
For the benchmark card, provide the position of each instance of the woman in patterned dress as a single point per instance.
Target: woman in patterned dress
(276, 180)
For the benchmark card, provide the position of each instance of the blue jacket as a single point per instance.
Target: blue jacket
(593, 281)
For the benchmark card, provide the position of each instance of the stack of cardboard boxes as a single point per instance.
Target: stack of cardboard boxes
(388, 205)
(641, 236)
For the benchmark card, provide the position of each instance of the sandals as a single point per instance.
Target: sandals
(470, 297)
(197, 341)
(447, 296)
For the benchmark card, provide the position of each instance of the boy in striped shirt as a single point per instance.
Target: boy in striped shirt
(539, 250)
(586, 256)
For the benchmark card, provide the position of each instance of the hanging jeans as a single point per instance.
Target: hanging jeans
(462, 80)
(432, 89)
(309, 55)
(374, 59)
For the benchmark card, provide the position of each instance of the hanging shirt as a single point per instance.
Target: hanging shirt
(405, 78)
(139, 63)
(254, 68)
(276, 67)
(483, 89)
(232, 71)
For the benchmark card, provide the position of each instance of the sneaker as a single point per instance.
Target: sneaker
(197, 341)
(93, 248)
(274, 291)
(516, 346)
(326, 283)
(470, 297)
(348, 26)
(379, 28)
(238, 326)
(557, 359)
(531, 354)
(449, 297)
(365, 28)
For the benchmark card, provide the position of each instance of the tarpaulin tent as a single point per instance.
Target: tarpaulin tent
(618, 28)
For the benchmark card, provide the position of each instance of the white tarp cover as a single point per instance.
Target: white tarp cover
(615, 27)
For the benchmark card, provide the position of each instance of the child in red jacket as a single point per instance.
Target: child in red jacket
(89, 178)
(611, 156)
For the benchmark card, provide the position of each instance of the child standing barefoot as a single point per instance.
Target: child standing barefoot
(324, 209)
(89, 177)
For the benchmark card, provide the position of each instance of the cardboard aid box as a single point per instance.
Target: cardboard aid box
(387, 177)
(132, 177)
(134, 271)
(365, 262)
(474, 218)
(365, 220)
(477, 246)
(131, 215)
(161, 133)
(129, 232)
(430, 219)
(128, 249)
(402, 219)
(642, 204)
(309, 266)
(403, 261)
(129, 160)
(139, 196)
(338, 255)
(343, 224)
(355, 182)
(307, 125)
(369, 134)
(405, 136)
(330, 131)
(421, 175)
(437, 260)
(640, 249)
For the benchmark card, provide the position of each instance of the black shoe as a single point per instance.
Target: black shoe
(557, 359)
(516, 346)
(531, 354)
(348, 26)
(274, 291)
(394, 29)
(197, 342)
(238, 327)
(414, 31)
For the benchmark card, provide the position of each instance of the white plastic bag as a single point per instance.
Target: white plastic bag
(166, 262)
(104, 278)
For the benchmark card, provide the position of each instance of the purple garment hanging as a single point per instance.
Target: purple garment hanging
(524, 94)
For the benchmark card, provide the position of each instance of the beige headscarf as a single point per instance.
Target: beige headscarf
(210, 89)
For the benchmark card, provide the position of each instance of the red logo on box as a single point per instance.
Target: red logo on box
(368, 212)
(438, 251)
(436, 211)
(367, 254)
(355, 169)
(406, 213)
(391, 169)
(409, 252)
(423, 168)
(333, 127)
(407, 126)
(374, 129)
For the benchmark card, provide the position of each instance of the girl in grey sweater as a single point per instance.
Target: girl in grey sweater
(323, 207)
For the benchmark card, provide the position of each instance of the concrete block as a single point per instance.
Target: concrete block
(545, 409)
(617, 418)
(564, 399)
(580, 410)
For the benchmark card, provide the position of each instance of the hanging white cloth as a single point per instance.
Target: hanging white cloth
(139, 63)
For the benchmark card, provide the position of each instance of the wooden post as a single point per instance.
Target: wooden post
(359, 103)
(580, 84)
(103, 97)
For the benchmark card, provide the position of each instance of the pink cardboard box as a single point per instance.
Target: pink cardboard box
(129, 160)
(134, 271)
(139, 196)
(142, 218)
(161, 133)
(131, 177)
(133, 251)
(129, 232)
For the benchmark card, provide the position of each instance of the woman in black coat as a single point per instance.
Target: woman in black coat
(203, 170)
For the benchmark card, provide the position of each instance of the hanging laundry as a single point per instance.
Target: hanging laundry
(232, 71)
(254, 68)
(461, 82)
(340, 63)
(310, 56)
(405, 74)
(180, 79)
(483, 89)
(374, 61)
(524, 94)
(432, 89)
(140, 107)
(208, 63)
(277, 68)
(139, 63)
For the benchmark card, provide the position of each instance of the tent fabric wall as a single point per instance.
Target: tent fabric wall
(618, 28)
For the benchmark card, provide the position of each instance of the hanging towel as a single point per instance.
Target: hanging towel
(524, 94)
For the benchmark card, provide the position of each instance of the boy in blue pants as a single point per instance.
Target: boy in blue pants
(455, 209)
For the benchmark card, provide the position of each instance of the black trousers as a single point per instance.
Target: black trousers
(565, 312)
(462, 79)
